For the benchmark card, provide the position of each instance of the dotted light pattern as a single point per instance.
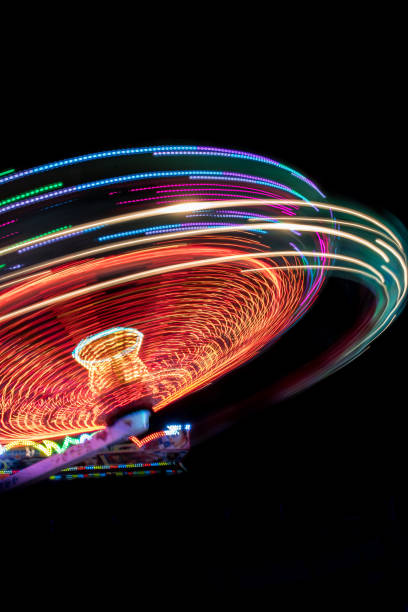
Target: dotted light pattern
(46, 447)
(124, 471)
(50, 447)
(172, 468)
(221, 254)
(23, 196)
(96, 468)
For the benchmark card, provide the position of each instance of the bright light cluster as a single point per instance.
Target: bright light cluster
(208, 255)
(111, 357)
(50, 447)
(46, 447)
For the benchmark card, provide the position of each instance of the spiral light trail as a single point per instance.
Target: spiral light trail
(152, 272)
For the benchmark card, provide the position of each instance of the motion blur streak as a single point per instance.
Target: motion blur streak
(208, 281)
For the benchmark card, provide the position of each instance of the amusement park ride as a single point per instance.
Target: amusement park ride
(132, 278)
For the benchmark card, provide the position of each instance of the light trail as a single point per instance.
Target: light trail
(208, 284)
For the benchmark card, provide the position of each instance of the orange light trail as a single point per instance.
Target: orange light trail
(198, 324)
(102, 306)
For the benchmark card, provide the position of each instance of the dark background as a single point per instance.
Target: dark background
(308, 498)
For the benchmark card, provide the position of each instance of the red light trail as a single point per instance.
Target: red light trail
(106, 299)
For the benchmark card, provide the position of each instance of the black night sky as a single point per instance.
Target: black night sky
(299, 498)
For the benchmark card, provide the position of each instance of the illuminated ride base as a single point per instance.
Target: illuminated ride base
(160, 453)
(132, 278)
